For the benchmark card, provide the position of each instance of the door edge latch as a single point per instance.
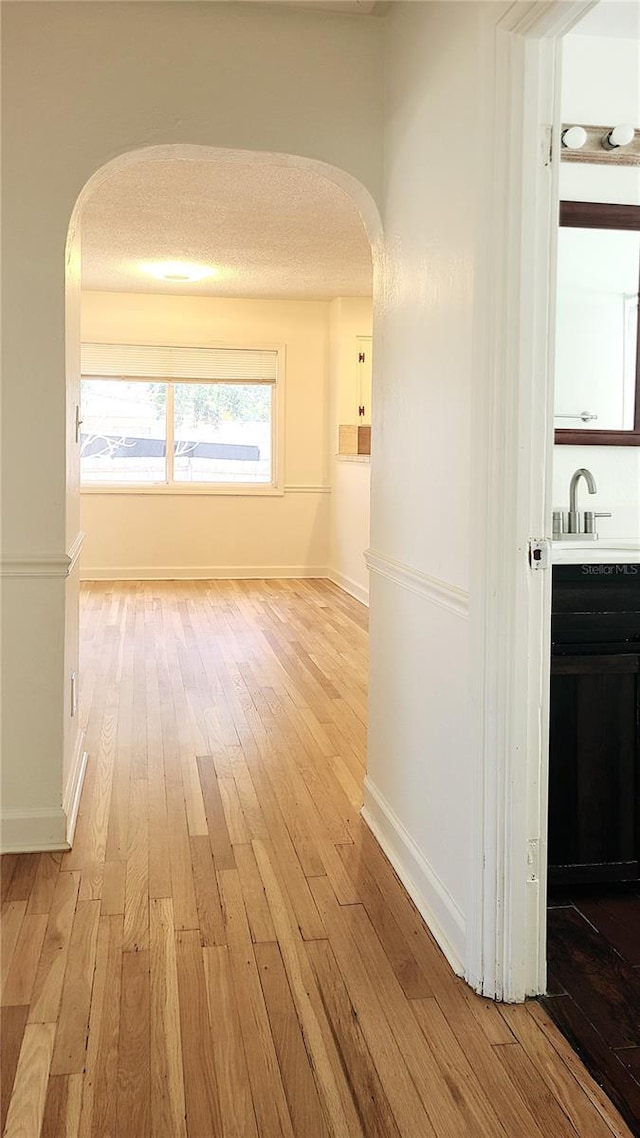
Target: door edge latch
(539, 553)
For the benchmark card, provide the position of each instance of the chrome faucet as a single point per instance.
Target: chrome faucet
(574, 514)
(575, 523)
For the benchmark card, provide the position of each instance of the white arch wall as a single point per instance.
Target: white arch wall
(423, 793)
(83, 85)
(85, 82)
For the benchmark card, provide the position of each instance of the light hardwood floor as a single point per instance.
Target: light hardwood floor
(225, 951)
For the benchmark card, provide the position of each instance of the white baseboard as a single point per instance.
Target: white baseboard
(225, 573)
(49, 827)
(433, 901)
(199, 572)
(348, 586)
(73, 789)
(29, 831)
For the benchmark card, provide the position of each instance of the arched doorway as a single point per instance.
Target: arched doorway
(111, 323)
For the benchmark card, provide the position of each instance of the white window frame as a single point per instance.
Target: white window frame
(272, 489)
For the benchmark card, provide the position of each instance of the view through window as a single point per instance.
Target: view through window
(141, 431)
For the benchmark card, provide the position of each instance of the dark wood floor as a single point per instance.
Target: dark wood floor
(594, 985)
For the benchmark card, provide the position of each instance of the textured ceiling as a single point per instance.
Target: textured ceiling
(273, 231)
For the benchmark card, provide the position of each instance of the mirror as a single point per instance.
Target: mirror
(597, 374)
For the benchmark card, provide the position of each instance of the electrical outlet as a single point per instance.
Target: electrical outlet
(74, 695)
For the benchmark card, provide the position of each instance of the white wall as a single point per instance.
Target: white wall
(601, 85)
(308, 531)
(422, 756)
(86, 82)
(617, 474)
(82, 85)
(187, 535)
(351, 478)
(600, 80)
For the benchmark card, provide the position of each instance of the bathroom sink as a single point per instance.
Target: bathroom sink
(603, 552)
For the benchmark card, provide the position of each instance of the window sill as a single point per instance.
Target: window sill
(207, 490)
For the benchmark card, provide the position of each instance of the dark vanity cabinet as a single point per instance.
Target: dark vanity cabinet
(594, 745)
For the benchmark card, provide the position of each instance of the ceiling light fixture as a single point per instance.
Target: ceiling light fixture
(179, 272)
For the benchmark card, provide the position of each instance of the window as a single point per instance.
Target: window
(124, 431)
(155, 415)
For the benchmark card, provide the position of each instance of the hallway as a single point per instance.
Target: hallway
(226, 951)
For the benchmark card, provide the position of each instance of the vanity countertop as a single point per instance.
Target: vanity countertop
(604, 552)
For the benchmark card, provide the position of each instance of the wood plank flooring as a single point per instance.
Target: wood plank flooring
(225, 951)
(594, 984)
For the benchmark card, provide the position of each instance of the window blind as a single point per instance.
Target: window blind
(164, 361)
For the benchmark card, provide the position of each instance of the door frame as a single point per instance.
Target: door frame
(512, 452)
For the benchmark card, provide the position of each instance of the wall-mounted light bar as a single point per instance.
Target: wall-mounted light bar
(619, 145)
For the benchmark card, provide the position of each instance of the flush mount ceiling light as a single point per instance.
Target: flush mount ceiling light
(179, 272)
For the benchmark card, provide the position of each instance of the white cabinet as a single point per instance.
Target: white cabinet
(363, 380)
(354, 434)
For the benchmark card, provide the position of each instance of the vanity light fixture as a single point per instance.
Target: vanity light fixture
(179, 272)
(621, 135)
(574, 137)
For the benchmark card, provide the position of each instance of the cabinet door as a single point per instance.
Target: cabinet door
(363, 346)
(594, 776)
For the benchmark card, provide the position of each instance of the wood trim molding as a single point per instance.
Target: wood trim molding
(604, 215)
(593, 152)
(499, 945)
(428, 893)
(599, 215)
(75, 550)
(359, 592)
(193, 490)
(512, 412)
(43, 564)
(32, 830)
(36, 565)
(75, 782)
(184, 490)
(302, 489)
(446, 596)
(199, 572)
